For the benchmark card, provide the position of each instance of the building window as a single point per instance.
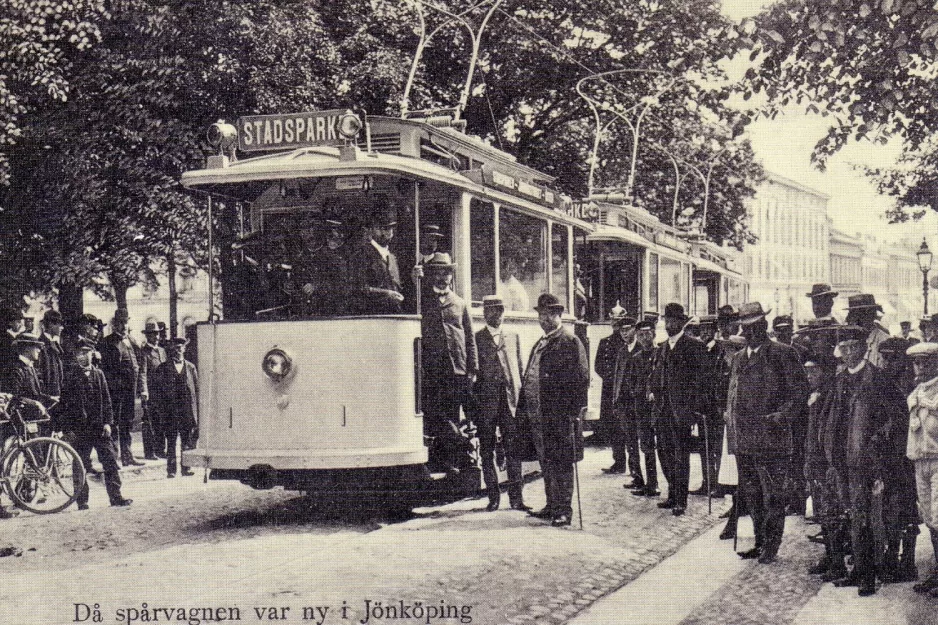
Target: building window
(653, 302)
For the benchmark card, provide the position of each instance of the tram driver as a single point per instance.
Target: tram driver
(322, 274)
(373, 267)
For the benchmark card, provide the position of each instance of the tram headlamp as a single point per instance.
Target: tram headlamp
(349, 125)
(277, 364)
(222, 136)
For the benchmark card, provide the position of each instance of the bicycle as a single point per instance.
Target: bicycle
(40, 474)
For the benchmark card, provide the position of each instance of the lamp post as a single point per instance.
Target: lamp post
(924, 263)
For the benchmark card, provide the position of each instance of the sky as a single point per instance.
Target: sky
(784, 146)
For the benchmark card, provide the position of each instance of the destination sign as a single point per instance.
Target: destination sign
(289, 131)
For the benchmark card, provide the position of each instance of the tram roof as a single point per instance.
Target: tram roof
(325, 161)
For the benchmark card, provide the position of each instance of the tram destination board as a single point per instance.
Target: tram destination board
(257, 133)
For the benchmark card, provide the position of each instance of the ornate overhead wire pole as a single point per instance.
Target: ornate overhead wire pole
(712, 162)
(424, 38)
(642, 106)
(678, 179)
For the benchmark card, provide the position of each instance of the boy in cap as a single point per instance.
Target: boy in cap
(87, 419)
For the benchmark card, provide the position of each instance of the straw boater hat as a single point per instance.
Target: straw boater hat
(548, 302)
(439, 260)
(432, 231)
(751, 312)
(821, 289)
(27, 338)
(923, 350)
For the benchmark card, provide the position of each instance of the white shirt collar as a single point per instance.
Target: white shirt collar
(52, 339)
(632, 345)
(495, 332)
(179, 366)
(672, 340)
(442, 293)
(385, 252)
(552, 333)
(753, 350)
(711, 344)
(25, 360)
(858, 368)
(12, 333)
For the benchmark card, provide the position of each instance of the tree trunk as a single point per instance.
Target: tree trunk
(173, 296)
(71, 303)
(120, 293)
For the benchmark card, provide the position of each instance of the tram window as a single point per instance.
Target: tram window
(558, 261)
(482, 244)
(653, 302)
(671, 281)
(523, 251)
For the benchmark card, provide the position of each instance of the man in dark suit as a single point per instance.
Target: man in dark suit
(553, 394)
(605, 367)
(676, 391)
(768, 391)
(450, 363)
(126, 376)
(624, 441)
(373, 266)
(176, 403)
(52, 359)
(496, 392)
(638, 371)
(13, 326)
(154, 441)
(86, 418)
(23, 378)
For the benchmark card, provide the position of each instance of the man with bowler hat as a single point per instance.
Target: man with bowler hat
(126, 377)
(373, 266)
(154, 441)
(87, 419)
(497, 391)
(553, 394)
(605, 366)
(767, 392)
(450, 363)
(676, 389)
(176, 403)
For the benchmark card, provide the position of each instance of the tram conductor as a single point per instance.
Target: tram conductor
(553, 393)
(496, 392)
(450, 364)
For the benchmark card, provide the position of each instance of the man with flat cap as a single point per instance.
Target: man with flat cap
(497, 390)
(450, 364)
(784, 327)
(126, 378)
(714, 382)
(87, 419)
(863, 311)
(637, 372)
(553, 395)
(154, 441)
(605, 366)
(176, 403)
(623, 433)
(373, 266)
(767, 391)
(430, 238)
(675, 385)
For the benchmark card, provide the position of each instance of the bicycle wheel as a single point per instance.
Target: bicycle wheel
(44, 476)
(8, 446)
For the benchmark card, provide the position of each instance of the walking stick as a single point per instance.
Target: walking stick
(576, 472)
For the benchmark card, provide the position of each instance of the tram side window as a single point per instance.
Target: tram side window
(558, 261)
(672, 281)
(653, 302)
(482, 244)
(523, 251)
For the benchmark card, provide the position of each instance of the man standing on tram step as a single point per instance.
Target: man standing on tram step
(430, 239)
(13, 326)
(624, 441)
(154, 440)
(87, 419)
(714, 381)
(126, 377)
(768, 390)
(450, 363)
(605, 367)
(643, 412)
(675, 386)
(864, 312)
(553, 395)
(176, 403)
(496, 391)
(922, 447)
(373, 266)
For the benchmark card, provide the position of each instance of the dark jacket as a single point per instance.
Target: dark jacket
(818, 412)
(86, 403)
(499, 372)
(621, 389)
(607, 352)
(767, 393)
(171, 414)
(152, 357)
(368, 270)
(448, 340)
(7, 359)
(24, 382)
(639, 370)
(122, 365)
(675, 379)
(563, 381)
(51, 367)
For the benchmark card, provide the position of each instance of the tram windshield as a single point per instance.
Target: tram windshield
(328, 247)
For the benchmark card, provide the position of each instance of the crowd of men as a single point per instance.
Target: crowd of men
(89, 388)
(838, 412)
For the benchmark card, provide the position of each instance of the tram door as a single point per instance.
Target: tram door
(622, 282)
(706, 292)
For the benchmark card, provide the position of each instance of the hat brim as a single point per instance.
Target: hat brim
(749, 319)
(878, 307)
(550, 308)
(19, 343)
(822, 294)
(677, 318)
(434, 235)
(441, 266)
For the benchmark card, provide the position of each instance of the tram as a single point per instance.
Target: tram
(308, 384)
(633, 260)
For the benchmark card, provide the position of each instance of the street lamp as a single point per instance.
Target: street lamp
(924, 263)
